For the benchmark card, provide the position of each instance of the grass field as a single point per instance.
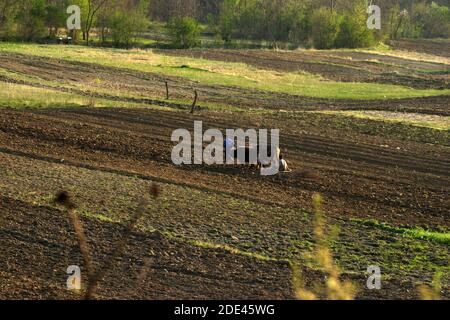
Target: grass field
(368, 130)
(223, 73)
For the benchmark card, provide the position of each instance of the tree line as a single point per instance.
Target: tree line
(309, 23)
(330, 23)
(119, 21)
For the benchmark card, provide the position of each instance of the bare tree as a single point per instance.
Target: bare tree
(333, 4)
(93, 6)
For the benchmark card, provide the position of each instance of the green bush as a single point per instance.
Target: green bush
(324, 28)
(353, 31)
(184, 31)
(126, 25)
(435, 21)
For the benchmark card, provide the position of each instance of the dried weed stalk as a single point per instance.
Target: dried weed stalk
(433, 292)
(335, 289)
(95, 277)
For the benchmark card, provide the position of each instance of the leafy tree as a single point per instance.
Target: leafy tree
(353, 31)
(184, 31)
(89, 11)
(435, 21)
(300, 30)
(227, 21)
(325, 23)
(127, 23)
(8, 11)
(31, 19)
(273, 20)
(104, 21)
(325, 28)
(55, 17)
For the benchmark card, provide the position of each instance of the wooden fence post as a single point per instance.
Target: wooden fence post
(195, 102)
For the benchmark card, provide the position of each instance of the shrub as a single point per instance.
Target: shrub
(324, 28)
(435, 21)
(184, 32)
(125, 26)
(353, 32)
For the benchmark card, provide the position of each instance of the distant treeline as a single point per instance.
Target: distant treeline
(119, 21)
(330, 23)
(318, 23)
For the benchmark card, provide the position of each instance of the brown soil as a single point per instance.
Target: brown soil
(404, 183)
(369, 170)
(38, 244)
(435, 47)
